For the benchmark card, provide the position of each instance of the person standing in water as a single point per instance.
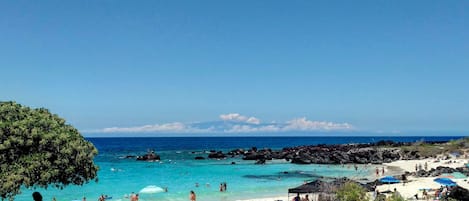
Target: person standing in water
(37, 196)
(192, 196)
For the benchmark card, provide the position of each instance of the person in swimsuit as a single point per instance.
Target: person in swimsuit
(192, 196)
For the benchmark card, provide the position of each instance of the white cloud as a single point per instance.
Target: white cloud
(251, 129)
(253, 120)
(235, 117)
(239, 129)
(299, 124)
(175, 127)
(302, 124)
(239, 124)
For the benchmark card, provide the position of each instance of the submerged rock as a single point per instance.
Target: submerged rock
(260, 162)
(199, 158)
(216, 155)
(150, 156)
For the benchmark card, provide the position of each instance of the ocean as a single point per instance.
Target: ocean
(180, 173)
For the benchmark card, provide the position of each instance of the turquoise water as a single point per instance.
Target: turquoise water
(179, 172)
(180, 175)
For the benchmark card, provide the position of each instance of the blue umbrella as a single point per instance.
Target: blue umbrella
(445, 181)
(389, 180)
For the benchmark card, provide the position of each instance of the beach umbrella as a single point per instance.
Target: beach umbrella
(151, 190)
(389, 180)
(445, 181)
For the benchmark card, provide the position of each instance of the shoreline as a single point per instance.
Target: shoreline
(415, 185)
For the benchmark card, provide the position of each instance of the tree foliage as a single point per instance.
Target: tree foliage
(38, 149)
(395, 197)
(351, 191)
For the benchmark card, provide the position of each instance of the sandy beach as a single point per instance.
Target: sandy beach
(415, 185)
(283, 198)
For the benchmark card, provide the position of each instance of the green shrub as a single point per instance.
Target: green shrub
(351, 191)
(395, 197)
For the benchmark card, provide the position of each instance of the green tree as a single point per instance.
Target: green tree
(395, 197)
(351, 191)
(38, 149)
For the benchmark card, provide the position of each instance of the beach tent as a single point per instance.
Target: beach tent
(389, 180)
(151, 190)
(311, 187)
(316, 186)
(324, 188)
(445, 182)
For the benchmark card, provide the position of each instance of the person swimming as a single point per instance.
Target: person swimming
(37, 196)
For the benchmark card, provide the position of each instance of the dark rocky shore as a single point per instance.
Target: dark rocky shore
(365, 153)
(374, 153)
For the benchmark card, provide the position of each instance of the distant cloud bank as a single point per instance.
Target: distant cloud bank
(239, 118)
(233, 123)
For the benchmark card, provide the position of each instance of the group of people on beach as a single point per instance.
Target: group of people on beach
(298, 198)
(440, 194)
(377, 171)
(377, 194)
(418, 167)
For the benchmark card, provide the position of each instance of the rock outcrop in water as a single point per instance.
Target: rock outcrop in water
(216, 155)
(199, 158)
(150, 156)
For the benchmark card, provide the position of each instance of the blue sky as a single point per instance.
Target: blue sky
(375, 66)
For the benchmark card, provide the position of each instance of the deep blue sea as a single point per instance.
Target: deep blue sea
(179, 172)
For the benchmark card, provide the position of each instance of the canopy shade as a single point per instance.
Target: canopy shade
(445, 181)
(311, 187)
(151, 189)
(389, 180)
(320, 186)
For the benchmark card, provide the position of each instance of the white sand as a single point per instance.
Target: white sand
(283, 198)
(415, 184)
(409, 165)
